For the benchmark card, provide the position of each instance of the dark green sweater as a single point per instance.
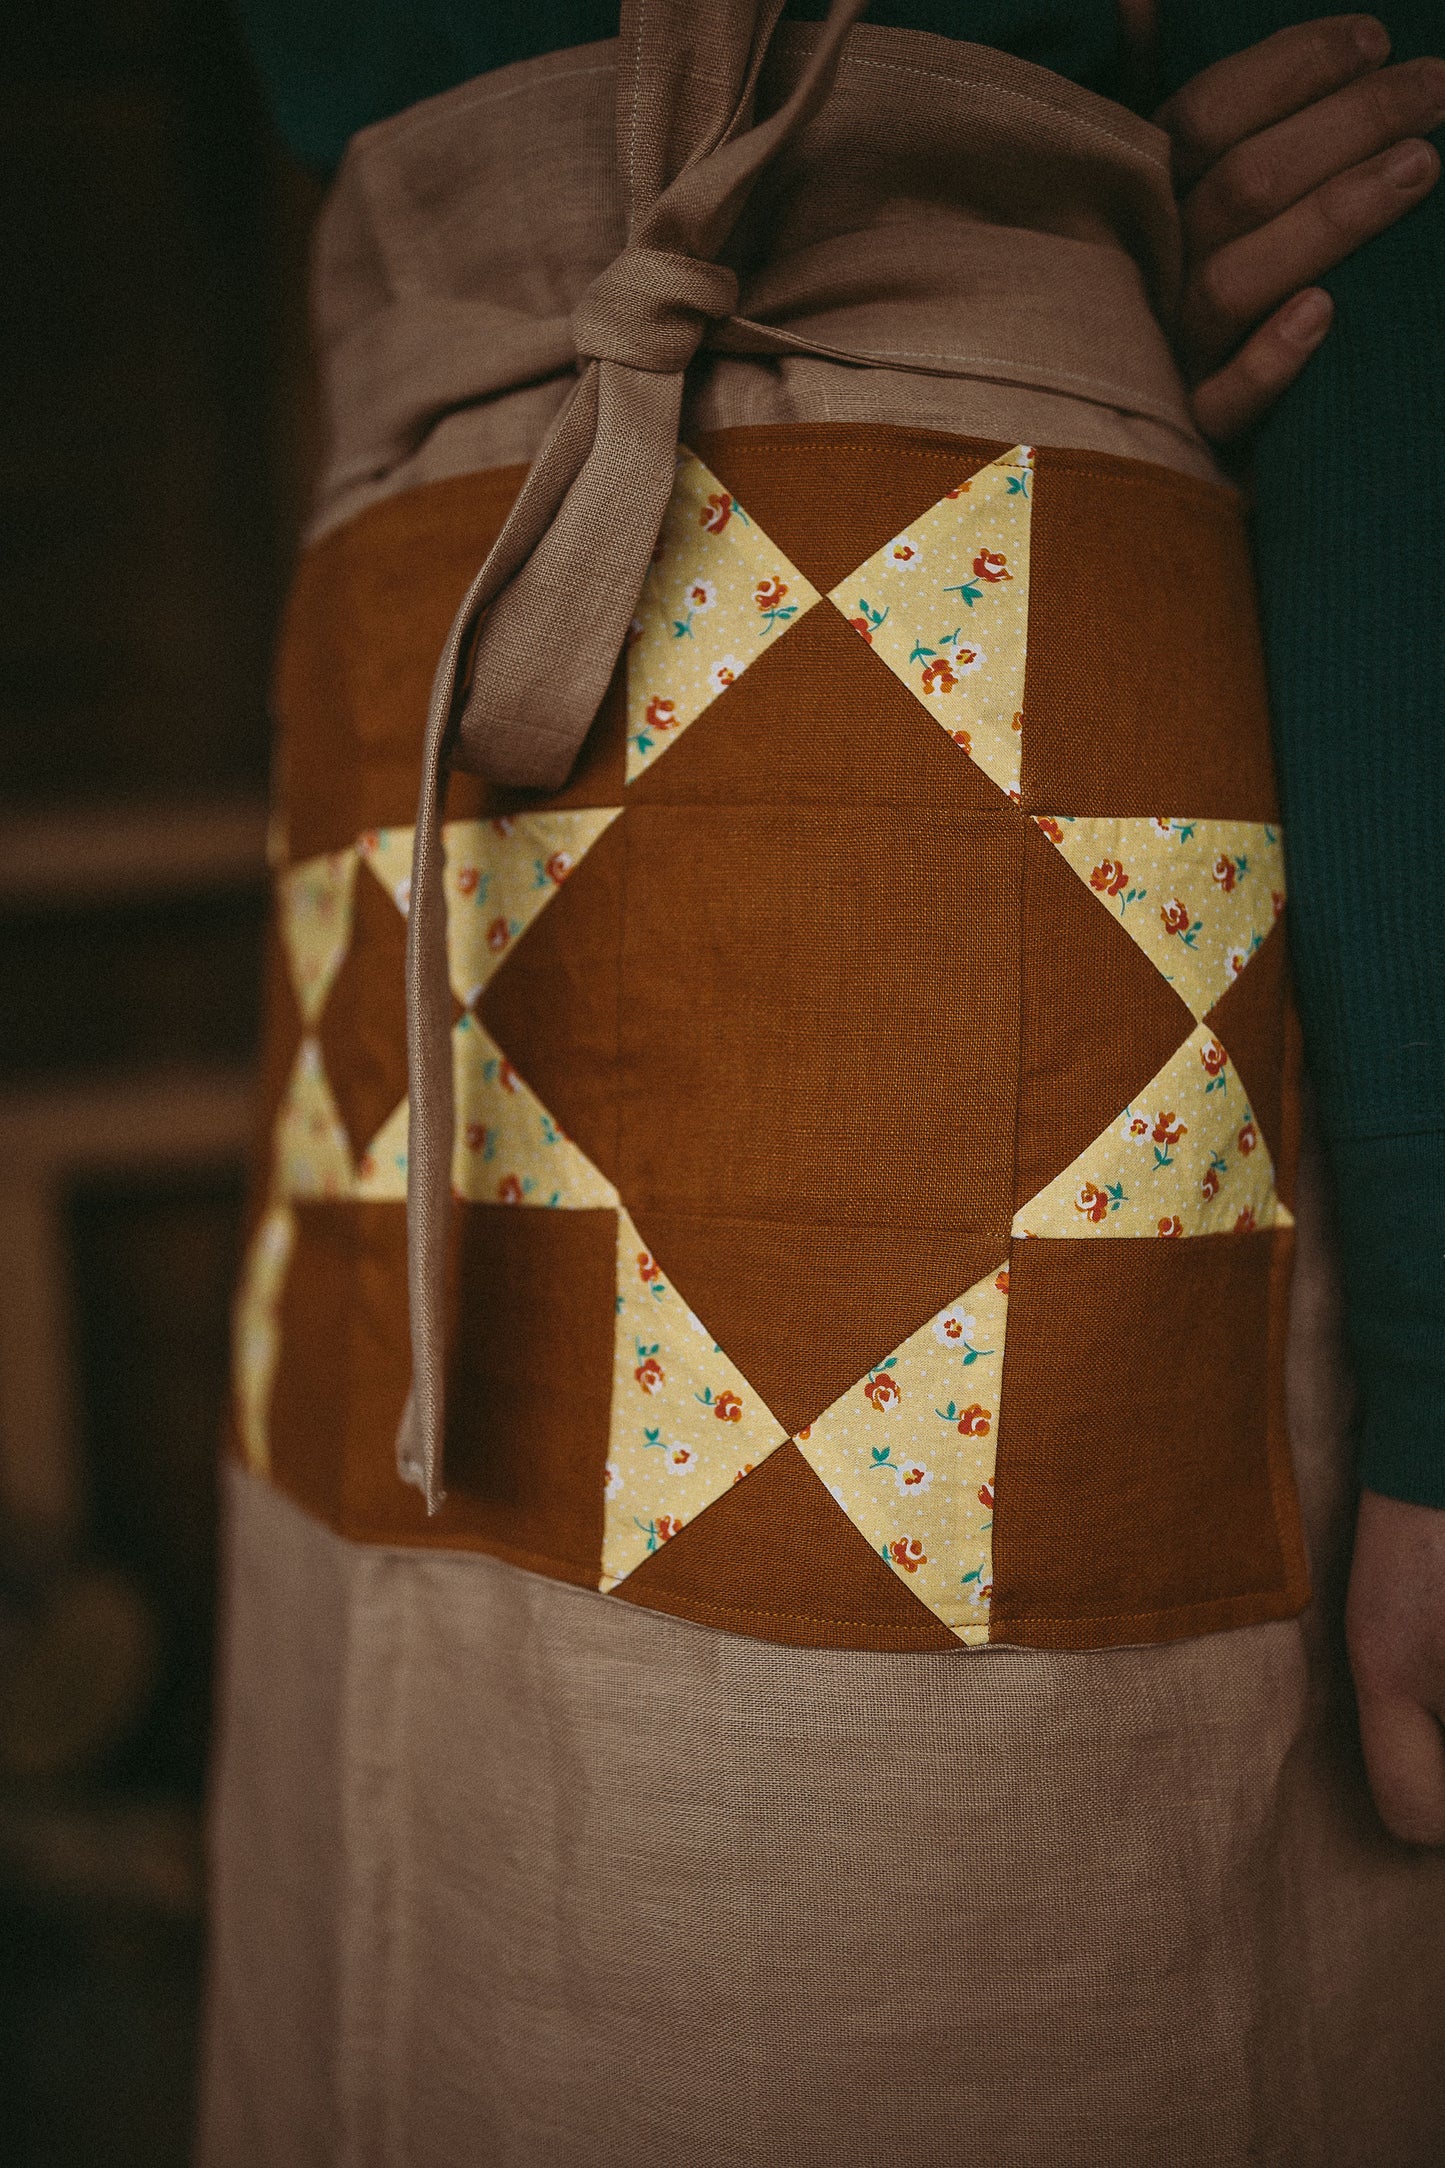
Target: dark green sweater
(1350, 545)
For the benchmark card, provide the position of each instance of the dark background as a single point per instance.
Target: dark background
(153, 431)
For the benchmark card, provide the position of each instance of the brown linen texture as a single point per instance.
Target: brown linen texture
(759, 1004)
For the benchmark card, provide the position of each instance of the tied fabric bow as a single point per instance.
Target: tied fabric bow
(582, 531)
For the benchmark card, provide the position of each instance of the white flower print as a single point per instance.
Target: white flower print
(903, 554)
(700, 595)
(954, 1328)
(611, 1483)
(912, 1477)
(682, 1459)
(724, 672)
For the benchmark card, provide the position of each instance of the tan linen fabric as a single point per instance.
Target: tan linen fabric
(508, 1873)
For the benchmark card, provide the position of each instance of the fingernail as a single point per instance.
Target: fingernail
(1408, 164)
(1307, 319)
(1372, 39)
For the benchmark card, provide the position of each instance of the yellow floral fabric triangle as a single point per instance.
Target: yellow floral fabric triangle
(499, 874)
(1185, 1158)
(314, 904)
(908, 1453)
(946, 606)
(256, 1332)
(313, 1156)
(1197, 896)
(387, 851)
(718, 592)
(508, 1149)
(686, 1424)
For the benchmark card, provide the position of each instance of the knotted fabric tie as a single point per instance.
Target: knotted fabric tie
(578, 541)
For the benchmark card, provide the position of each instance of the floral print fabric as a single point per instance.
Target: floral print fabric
(313, 1156)
(508, 1150)
(908, 1453)
(946, 606)
(717, 594)
(686, 1424)
(1198, 896)
(314, 910)
(256, 1333)
(499, 875)
(1186, 1158)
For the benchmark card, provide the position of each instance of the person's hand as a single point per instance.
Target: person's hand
(1395, 1622)
(1287, 157)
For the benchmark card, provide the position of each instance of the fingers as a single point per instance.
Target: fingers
(1268, 172)
(1237, 396)
(1405, 1761)
(1395, 1627)
(1238, 284)
(1265, 83)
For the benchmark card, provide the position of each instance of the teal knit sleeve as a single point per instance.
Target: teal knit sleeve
(1349, 532)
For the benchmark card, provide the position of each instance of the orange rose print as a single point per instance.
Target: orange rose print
(1248, 1138)
(745, 1470)
(1110, 879)
(862, 627)
(476, 1136)
(510, 1190)
(1246, 1224)
(667, 1526)
(661, 714)
(938, 676)
(504, 824)
(649, 1374)
(883, 1391)
(728, 1408)
(1174, 916)
(507, 1076)
(768, 594)
(1174, 1226)
(963, 739)
(985, 1494)
(1050, 828)
(648, 1269)
(716, 513)
(1168, 1129)
(975, 1421)
(1209, 1187)
(499, 933)
(990, 565)
(1093, 1202)
(1214, 1058)
(1225, 873)
(559, 865)
(907, 1552)
(1001, 1281)
(467, 881)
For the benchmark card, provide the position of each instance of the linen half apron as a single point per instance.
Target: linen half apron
(872, 1622)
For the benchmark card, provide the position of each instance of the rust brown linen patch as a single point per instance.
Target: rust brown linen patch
(774, 1557)
(363, 1027)
(1145, 690)
(804, 1310)
(1142, 1480)
(866, 485)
